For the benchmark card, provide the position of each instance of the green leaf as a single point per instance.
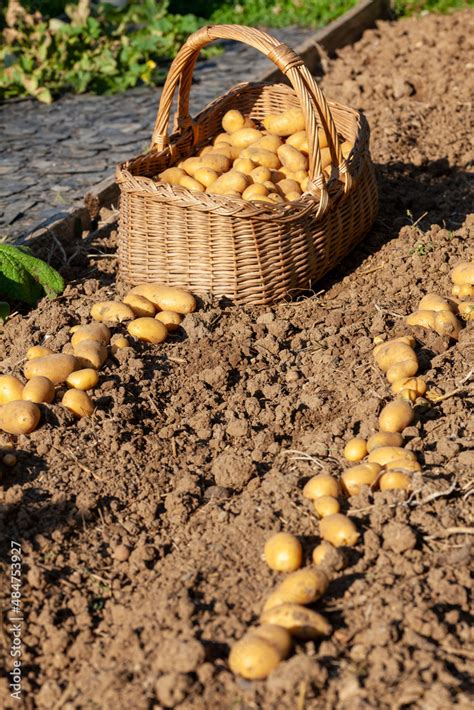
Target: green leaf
(24, 277)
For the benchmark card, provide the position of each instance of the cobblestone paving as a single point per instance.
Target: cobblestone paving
(51, 155)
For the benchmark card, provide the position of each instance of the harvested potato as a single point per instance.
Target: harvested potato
(320, 485)
(253, 191)
(382, 455)
(224, 150)
(90, 353)
(261, 174)
(167, 298)
(292, 158)
(275, 197)
(332, 558)
(253, 657)
(276, 635)
(303, 587)
(326, 505)
(408, 395)
(111, 312)
(148, 330)
(380, 343)
(271, 143)
(190, 165)
(222, 138)
(384, 438)
(393, 480)
(339, 530)
(206, 176)
(78, 402)
(423, 319)
(38, 390)
(298, 620)
(262, 157)
(463, 273)
(446, 323)
(232, 121)
(207, 149)
(19, 417)
(403, 369)
(141, 306)
(56, 368)
(85, 379)
(243, 165)
(11, 389)
(287, 186)
(245, 137)
(233, 181)
(466, 310)
(93, 331)
(37, 351)
(389, 354)
(355, 449)
(283, 553)
(286, 123)
(463, 291)
(403, 464)
(170, 319)
(172, 175)
(433, 302)
(273, 600)
(119, 342)
(293, 196)
(395, 416)
(412, 383)
(218, 162)
(191, 184)
(299, 140)
(354, 478)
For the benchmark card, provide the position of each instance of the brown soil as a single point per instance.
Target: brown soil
(142, 528)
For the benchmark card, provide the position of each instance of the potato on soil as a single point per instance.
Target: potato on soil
(303, 587)
(283, 552)
(405, 368)
(396, 416)
(93, 331)
(276, 635)
(85, 379)
(90, 353)
(167, 298)
(39, 390)
(466, 310)
(19, 417)
(148, 330)
(412, 383)
(118, 342)
(78, 402)
(394, 480)
(463, 273)
(446, 323)
(286, 123)
(463, 291)
(326, 505)
(37, 351)
(56, 368)
(322, 484)
(253, 657)
(384, 438)
(329, 557)
(111, 312)
(170, 319)
(384, 454)
(389, 354)
(339, 530)
(354, 478)
(141, 306)
(355, 449)
(403, 464)
(301, 622)
(11, 389)
(433, 302)
(423, 319)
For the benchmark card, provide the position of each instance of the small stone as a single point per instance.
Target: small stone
(121, 553)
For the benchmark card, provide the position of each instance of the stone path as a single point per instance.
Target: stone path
(51, 155)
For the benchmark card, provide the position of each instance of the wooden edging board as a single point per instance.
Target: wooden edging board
(345, 30)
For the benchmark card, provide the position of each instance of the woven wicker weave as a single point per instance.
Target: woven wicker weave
(251, 252)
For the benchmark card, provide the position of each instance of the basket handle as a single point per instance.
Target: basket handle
(310, 96)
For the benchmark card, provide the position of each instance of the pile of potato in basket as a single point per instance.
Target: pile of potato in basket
(268, 165)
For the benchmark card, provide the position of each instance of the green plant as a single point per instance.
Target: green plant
(422, 248)
(280, 13)
(25, 278)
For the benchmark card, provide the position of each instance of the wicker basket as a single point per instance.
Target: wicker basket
(248, 251)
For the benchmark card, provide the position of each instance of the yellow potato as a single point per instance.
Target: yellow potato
(271, 187)
(339, 530)
(283, 553)
(412, 383)
(390, 353)
(403, 369)
(326, 505)
(206, 176)
(298, 620)
(304, 586)
(408, 395)
(141, 306)
(263, 198)
(332, 558)
(244, 137)
(321, 485)
(218, 162)
(395, 416)
(293, 196)
(118, 343)
(56, 368)
(274, 197)
(11, 389)
(405, 465)
(222, 138)
(149, 330)
(37, 351)
(354, 478)
(111, 312)
(292, 158)
(424, 319)
(355, 449)
(286, 123)
(253, 657)
(463, 273)
(286, 186)
(39, 389)
(466, 310)
(90, 353)
(262, 157)
(243, 165)
(204, 151)
(271, 143)
(446, 323)
(463, 290)
(433, 302)
(381, 344)
(93, 331)
(299, 141)
(78, 402)
(232, 181)
(260, 174)
(279, 637)
(170, 319)
(191, 184)
(382, 455)
(167, 298)
(232, 121)
(172, 175)
(85, 379)
(253, 191)
(190, 165)
(384, 438)
(19, 417)
(393, 480)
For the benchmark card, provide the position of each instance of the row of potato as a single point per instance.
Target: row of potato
(263, 165)
(151, 311)
(388, 466)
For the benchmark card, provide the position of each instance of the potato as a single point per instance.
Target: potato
(207, 149)
(170, 319)
(243, 165)
(321, 485)
(232, 181)
(463, 273)
(286, 123)
(463, 291)
(39, 389)
(78, 402)
(93, 331)
(37, 351)
(216, 161)
(274, 197)
(245, 137)
(303, 587)
(190, 165)
(395, 416)
(384, 438)
(391, 353)
(405, 465)
(232, 121)
(446, 323)
(380, 343)
(172, 175)
(354, 478)
(408, 395)
(264, 198)
(283, 553)
(292, 158)
(262, 157)
(111, 312)
(326, 505)
(253, 191)
(293, 196)
(393, 480)
(424, 319)
(271, 187)
(355, 449)
(298, 620)
(223, 150)
(19, 417)
(221, 138)
(56, 368)
(261, 174)
(466, 310)
(167, 298)
(299, 140)
(412, 383)
(272, 601)
(118, 343)
(141, 306)
(279, 637)
(90, 353)
(271, 143)
(433, 302)
(286, 186)
(148, 330)
(382, 455)
(332, 558)
(11, 389)
(191, 184)
(85, 379)
(403, 369)
(253, 657)
(339, 530)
